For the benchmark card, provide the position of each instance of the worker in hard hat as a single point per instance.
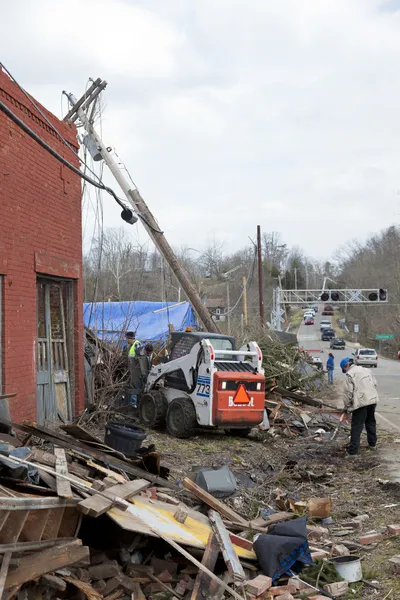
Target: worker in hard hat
(134, 346)
(360, 400)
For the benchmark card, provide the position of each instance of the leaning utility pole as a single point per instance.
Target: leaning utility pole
(78, 108)
(260, 277)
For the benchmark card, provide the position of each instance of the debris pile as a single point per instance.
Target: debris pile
(79, 519)
(289, 366)
(294, 414)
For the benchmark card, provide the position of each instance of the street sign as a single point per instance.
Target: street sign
(384, 336)
(356, 328)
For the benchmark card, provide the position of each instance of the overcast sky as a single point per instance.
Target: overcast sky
(232, 113)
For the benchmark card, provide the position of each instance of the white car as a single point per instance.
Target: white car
(325, 324)
(317, 361)
(308, 314)
(366, 357)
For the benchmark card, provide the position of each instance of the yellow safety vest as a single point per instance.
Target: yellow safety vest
(132, 350)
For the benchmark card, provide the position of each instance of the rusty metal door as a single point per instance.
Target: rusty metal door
(54, 342)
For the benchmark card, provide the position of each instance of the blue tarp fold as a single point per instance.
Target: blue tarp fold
(150, 320)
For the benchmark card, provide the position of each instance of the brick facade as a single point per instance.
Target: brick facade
(40, 234)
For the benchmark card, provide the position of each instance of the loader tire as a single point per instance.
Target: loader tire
(152, 409)
(181, 418)
(244, 432)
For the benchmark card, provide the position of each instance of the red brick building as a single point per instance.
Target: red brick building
(41, 326)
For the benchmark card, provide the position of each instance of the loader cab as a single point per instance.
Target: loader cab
(183, 342)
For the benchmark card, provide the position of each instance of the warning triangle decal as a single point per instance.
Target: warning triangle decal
(241, 396)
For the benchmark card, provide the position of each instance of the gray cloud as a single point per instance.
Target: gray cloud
(231, 114)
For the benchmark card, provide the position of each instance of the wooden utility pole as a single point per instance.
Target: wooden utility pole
(143, 212)
(245, 321)
(260, 276)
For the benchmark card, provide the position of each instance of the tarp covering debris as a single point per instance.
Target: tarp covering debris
(150, 320)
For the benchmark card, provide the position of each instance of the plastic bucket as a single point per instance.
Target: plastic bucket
(124, 438)
(348, 567)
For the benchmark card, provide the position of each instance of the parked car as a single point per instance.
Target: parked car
(327, 334)
(366, 357)
(309, 321)
(338, 343)
(324, 324)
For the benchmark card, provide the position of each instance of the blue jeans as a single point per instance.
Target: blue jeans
(330, 376)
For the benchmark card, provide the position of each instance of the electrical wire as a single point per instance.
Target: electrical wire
(249, 280)
(44, 116)
(58, 156)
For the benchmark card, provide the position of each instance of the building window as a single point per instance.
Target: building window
(218, 311)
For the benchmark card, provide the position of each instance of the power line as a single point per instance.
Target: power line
(58, 156)
(44, 116)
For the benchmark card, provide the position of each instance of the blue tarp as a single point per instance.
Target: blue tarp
(111, 320)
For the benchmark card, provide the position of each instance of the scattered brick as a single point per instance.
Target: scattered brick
(393, 529)
(165, 576)
(371, 538)
(395, 564)
(259, 585)
(319, 554)
(338, 589)
(279, 590)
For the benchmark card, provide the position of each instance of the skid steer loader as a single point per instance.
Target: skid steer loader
(205, 382)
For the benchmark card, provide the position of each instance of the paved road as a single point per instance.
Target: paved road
(387, 373)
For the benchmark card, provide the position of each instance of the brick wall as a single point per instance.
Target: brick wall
(40, 233)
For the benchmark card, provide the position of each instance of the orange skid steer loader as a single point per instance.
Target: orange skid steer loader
(205, 382)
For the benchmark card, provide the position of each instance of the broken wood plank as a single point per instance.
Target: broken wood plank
(228, 551)
(112, 474)
(79, 433)
(198, 564)
(59, 439)
(217, 505)
(203, 581)
(86, 588)
(36, 565)
(138, 593)
(48, 459)
(4, 572)
(63, 485)
(98, 505)
(20, 547)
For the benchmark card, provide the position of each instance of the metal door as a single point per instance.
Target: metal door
(53, 345)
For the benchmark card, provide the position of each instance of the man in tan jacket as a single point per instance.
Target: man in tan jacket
(360, 399)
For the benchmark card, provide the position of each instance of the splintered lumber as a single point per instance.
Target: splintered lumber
(209, 560)
(99, 504)
(198, 564)
(4, 571)
(119, 502)
(138, 593)
(58, 439)
(45, 458)
(35, 565)
(79, 433)
(63, 485)
(86, 588)
(18, 547)
(220, 507)
(228, 551)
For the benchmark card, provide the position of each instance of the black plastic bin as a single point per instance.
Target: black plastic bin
(124, 438)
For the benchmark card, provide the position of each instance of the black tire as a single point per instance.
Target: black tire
(152, 409)
(181, 418)
(244, 432)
